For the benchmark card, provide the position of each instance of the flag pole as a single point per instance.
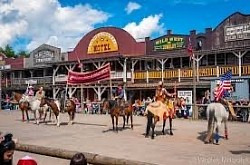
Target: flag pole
(195, 110)
(110, 85)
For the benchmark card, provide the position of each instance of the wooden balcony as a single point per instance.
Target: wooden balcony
(188, 72)
(34, 80)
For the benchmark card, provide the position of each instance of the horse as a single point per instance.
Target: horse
(71, 109)
(216, 113)
(23, 105)
(55, 107)
(115, 112)
(152, 119)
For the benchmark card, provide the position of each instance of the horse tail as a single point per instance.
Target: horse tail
(210, 114)
(211, 120)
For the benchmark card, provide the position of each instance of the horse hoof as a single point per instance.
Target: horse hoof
(226, 137)
(146, 136)
(171, 133)
(163, 132)
(152, 137)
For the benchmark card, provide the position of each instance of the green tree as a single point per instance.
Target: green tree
(23, 53)
(8, 51)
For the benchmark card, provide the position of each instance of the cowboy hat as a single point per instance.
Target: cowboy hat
(160, 83)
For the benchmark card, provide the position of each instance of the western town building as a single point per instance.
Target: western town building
(139, 65)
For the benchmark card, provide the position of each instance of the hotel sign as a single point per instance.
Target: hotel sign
(237, 32)
(169, 43)
(101, 43)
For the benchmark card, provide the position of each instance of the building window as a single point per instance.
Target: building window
(211, 59)
(246, 58)
(220, 59)
(185, 62)
(231, 59)
(203, 61)
(167, 64)
(177, 62)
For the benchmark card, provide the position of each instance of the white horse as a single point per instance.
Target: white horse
(216, 114)
(35, 107)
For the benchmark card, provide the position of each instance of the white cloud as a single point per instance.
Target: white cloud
(46, 21)
(131, 7)
(195, 2)
(146, 27)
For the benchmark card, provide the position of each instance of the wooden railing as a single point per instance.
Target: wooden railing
(188, 72)
(38, 80)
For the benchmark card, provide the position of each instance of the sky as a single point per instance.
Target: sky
(26, 24)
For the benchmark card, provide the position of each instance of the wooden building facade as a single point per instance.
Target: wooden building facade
(139, 65)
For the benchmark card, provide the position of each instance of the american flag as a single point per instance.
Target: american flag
(225, 84)
(190, 49)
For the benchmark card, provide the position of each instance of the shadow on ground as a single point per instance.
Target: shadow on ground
(240, 152)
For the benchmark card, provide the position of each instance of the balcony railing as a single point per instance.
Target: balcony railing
(33, 80)
(188, 72)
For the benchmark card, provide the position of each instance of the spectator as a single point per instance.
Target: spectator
(206, 98)
(7, 147)
(78, 159)
(27, 160)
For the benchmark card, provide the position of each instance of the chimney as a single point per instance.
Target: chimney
(147, 39)
(169, 32)
(193, 32)
(208, 30)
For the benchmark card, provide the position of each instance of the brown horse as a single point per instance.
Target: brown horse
(55, 107)
(115, 112)
(23, 105)
(153, 119)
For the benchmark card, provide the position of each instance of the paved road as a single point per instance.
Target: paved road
(92, 133)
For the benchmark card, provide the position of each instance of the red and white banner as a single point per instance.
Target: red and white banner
(102, 73)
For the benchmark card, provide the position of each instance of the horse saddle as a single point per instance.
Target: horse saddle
(155, 104)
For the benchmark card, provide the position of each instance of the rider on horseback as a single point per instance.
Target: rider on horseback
(222, 98)
(162, 102)
(40, 94)
(29, 93)
(119, 96)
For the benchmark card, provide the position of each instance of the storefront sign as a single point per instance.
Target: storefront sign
(101, 43)
(237, 32)
(186, 95)
(44, 56)
(5, 67)
(169, 43)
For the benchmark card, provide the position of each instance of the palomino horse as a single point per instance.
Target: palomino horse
(115, 112)
(23, 105)
(153, 119)
(55, 107)
(216, 113)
